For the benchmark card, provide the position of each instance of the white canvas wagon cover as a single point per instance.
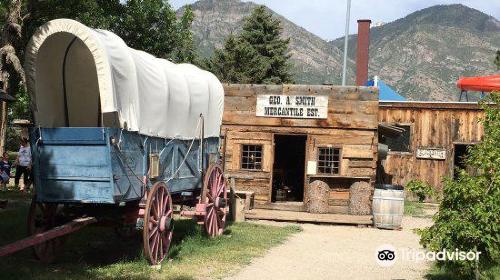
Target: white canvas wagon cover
(76, 73)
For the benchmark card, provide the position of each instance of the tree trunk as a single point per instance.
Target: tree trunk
(3, 127)
(317, 197)
(11, 33)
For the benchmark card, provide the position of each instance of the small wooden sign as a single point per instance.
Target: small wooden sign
(431, 153)
(312, 166)
(292, 106)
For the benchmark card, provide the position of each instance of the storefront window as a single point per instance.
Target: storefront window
(402, 142)
(251, 157)
(328, 160)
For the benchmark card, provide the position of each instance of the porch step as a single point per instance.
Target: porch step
(292, 216)
(283, 206)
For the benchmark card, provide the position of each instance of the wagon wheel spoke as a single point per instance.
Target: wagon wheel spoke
(166, 203)
(154, 212)
(216, 225)
(210, 198)
(166, 242)
(154, 244)
(219, 221)
(221, 212)
(156, 205)
(161, 202)
(219, 186)
(169, 213)
(160, 247)
(153, 232)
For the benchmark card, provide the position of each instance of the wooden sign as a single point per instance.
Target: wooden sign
(431, 153)
(292, 106)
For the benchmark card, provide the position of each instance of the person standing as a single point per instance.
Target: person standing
(23, 164)
(5, 171)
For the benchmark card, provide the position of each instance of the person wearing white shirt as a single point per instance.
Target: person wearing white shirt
(23, 164)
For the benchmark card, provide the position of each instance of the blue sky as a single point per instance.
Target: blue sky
(326, 18)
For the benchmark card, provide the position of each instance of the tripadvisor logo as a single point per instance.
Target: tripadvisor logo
(386, 255)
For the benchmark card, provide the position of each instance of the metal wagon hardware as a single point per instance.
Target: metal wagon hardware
(120, 137)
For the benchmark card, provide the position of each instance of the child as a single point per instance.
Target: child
(5, 171)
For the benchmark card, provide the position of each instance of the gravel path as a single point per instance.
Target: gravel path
(338, 252)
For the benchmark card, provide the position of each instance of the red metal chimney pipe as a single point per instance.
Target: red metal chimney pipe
(363, 51)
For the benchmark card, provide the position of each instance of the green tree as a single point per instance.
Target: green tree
(263, 32)
(257, 55)
(152, 26)
(148, 25)
(469, 212)
(187, 52)
(238, 62)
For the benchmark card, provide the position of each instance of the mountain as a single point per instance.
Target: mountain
(314, 60)
(421, 55)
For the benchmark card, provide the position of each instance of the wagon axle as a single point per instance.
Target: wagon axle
(166, 224)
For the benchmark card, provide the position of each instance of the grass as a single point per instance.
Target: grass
(436, 273)
(97, 253)
(418, 209)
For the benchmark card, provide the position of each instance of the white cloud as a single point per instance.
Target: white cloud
(326, 18)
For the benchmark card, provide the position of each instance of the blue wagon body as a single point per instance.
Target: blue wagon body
(108, 166)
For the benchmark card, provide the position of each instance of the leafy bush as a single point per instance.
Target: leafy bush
(420, 189)
(469, 212)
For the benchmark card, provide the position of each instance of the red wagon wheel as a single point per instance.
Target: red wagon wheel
(42, 217)
(158, 223)
(215, 200)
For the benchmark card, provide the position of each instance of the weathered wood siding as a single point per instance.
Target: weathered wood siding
(351, 125)
(432, 125)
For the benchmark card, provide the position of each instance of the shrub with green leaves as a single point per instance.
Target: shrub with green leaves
(469, 212)
(420, 189)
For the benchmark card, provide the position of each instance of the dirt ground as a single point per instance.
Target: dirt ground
(338, 252)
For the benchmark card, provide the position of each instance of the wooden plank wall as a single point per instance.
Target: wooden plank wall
(432, 125)
(351, 125)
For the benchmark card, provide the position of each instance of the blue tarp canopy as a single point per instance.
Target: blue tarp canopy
(385, 92)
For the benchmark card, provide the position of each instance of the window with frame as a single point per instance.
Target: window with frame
(251, 157)
(402, 142)
(328, 160)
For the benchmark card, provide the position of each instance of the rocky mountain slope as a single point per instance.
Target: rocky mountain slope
(314, 59)
(421, 55)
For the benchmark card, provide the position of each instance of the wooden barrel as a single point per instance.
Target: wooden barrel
(388, 206)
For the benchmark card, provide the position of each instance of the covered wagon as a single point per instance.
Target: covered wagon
(120, 136)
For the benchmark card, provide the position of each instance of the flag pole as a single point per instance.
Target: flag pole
(346, 37)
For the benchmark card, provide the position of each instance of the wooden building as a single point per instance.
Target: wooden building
(279, 138)
(435, 139)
